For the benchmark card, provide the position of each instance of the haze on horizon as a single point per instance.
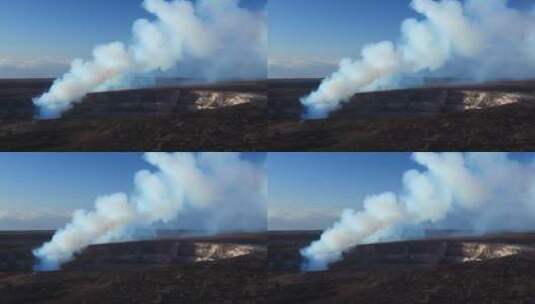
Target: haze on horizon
(40, 39)
(41, 191)
(309, 38)
(309, 191)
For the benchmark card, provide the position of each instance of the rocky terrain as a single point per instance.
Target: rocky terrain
(490, 116)
(223, 116)
(16, 249)
(255, 116)
(168, 252)
(219, 269)
(488, 269)
(265, 268)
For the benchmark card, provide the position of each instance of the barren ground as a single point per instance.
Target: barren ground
(487, 117)
(235, 269)
(490, 117)
(160, 272)
(159, 119)
(407, 272)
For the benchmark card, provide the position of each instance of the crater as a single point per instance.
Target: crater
(160, 252)
(16, 99)
(284, 250)
(431, 252)
(161, 101)
(284, 98)
(210, 100)
(16, 251)
(432, 101)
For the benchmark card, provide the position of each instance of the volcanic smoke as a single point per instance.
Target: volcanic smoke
(483, 191)
(218, 32)
(227, 190)
(487, 38)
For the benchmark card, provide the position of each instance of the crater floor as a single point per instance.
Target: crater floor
(490, 116)
(228, 116)
(488, 269)
(219, 269)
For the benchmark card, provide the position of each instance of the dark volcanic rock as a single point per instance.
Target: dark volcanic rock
(491, 116)
(488, 269)
(16, 97)
(227, 116)
(218, 269)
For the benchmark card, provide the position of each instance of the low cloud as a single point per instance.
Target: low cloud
(30, 68)
(301, 218)
(35, 220)
(298, 67)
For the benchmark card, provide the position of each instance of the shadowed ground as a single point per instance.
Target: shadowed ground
(494, 116)
(234, 268)
(229, 116)
(220, 269)
(489, 269)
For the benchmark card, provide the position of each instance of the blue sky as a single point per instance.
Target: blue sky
(306, 190)
(309, 190)
(309, 37)
(320, 30)
(60, 29)
(40, 37)
(41, 190)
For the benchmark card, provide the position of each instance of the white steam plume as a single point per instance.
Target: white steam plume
(490, 191)
(215, 183)
(497, 41)
(219, 32)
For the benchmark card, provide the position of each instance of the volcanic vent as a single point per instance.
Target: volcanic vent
(434, 100)
(167, 252)
(429, 100)
(284, 250)
(438, 251)
(162, 101)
